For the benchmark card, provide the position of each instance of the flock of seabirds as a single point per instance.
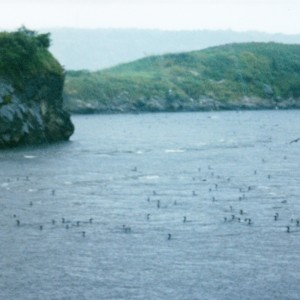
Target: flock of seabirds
(233, 214)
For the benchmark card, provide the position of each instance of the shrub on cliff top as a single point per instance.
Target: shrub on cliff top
(25, 53)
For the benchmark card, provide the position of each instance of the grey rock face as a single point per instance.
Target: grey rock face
(33, 116)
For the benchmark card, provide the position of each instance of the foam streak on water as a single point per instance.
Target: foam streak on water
(213, 181)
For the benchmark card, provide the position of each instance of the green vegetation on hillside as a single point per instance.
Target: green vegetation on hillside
(24, 53)
(226, 74)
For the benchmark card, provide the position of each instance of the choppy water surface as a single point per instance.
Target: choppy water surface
(200, 177)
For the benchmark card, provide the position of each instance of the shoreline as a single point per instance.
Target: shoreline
(95, 111)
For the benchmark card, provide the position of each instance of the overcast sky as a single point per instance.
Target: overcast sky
(241, 15)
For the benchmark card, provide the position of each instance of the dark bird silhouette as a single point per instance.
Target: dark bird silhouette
(126, 228)
(295, 141)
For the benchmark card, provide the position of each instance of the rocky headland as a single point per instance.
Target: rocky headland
(229, 77)
(31, 89)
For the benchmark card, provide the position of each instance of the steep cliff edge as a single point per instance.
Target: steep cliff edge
(31, 87)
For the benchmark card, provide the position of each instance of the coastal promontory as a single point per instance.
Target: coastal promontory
(31, 88)
(228, 77)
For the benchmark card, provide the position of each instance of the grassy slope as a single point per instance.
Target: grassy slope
(230, 72)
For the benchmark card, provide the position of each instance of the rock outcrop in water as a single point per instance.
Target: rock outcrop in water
(31, 86)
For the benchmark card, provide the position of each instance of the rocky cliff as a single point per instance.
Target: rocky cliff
(31, 86)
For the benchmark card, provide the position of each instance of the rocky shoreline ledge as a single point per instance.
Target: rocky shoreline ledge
(203, 104)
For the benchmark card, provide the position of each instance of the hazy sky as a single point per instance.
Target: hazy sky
(263, 15)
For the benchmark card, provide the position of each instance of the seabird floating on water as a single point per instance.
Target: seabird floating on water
(295, 141)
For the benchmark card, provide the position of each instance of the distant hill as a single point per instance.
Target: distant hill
(94, 49)
(233, 76)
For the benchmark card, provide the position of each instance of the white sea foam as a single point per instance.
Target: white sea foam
(150, 177)
(139, 152)
(29, 156)
(174, 150)
(68, 183)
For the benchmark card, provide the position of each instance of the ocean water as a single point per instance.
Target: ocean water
(155, 206)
